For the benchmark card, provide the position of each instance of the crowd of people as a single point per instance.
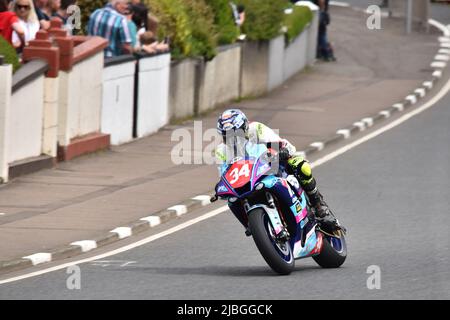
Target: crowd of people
(126, 24)
(20, 20)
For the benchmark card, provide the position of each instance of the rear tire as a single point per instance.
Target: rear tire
(332, 256)
(259, 223)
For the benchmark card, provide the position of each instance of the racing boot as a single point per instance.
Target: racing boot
(301, 168)
(322, 211)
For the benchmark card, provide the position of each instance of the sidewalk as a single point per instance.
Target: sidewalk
(86, 197)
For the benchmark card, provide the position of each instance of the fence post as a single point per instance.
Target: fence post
(5, 101)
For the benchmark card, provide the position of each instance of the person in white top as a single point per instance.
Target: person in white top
(24, 9)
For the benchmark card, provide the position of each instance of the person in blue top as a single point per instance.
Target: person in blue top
(110, 23)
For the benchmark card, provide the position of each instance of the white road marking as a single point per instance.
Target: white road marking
(220, 210)
(339, 4)
(152, 220)
(122, 232)
(445, 45)
(437, 73)
(122, 249)
(387, 127)
(2, 213)
(438, 64)
(86, 245)
(360, 125)
(344, 132)
(444, 51)
(179, 209)
(442, 57)
(421, 92)
(440, 26)
(412, 98)
(385, 113)
(205, 200)
(428, 85)
(399, 106)
(368, 122)
(38, 258)
(318, 145)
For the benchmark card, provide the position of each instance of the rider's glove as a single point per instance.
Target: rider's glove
(284, 154)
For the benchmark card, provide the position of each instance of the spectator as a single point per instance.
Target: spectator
(109, 23)
(150, 43)
(238, 14)
(24, 9)
(131, 26)
(324, 50)
(54, 7)
(41, 7)
(60, 9)
(9, 22)
(140, 14)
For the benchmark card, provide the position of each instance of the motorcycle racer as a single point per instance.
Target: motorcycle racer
(235, 130)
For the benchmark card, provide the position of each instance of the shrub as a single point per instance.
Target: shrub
(189, 24)
(297, 21)
(264, 18)
(224, 21)
(9, 53)
(87, 7)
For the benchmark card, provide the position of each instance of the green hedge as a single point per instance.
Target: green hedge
(9, 53)
(297, 21)
(197, 27)
(87, 7)
(264, 18)
(189, 24)
(227, 30)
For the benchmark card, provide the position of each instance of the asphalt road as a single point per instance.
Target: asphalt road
(391, 192)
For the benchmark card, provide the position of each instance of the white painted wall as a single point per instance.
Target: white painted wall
(153, 99)
(117, 106)
(276, 62)
(25, 121)
(182, 88)
(80, 94)
(50, 122)
(5, 107)
(221, 77)
(295, 55)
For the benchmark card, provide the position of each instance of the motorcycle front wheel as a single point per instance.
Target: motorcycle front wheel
(334, 252)
(278, 254)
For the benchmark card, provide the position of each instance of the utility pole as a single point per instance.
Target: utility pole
(409, 16)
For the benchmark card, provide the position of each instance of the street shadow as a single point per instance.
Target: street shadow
(217, 271)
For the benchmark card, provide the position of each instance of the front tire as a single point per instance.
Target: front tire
(278, 256)
(334, 252)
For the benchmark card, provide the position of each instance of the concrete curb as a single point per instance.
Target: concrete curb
(158, 218)
(117, 234)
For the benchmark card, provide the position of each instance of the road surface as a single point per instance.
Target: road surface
(391, 192)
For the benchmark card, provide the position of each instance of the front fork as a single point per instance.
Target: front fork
(279, 226)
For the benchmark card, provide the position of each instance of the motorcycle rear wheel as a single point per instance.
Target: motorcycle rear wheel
(278, 256)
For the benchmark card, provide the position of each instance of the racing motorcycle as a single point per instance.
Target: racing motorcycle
(276, 212)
